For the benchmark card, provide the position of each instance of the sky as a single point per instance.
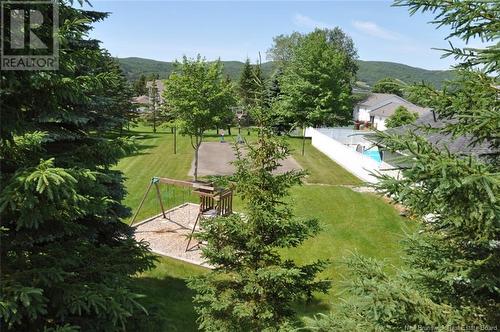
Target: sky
(235, 30)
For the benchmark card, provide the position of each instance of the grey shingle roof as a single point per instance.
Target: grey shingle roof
(140, 100)
(459, 145)
(374, 99)
(388, 109)
(384, 104)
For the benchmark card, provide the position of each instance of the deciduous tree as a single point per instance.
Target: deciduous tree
(198, 96)
(389, 85)
(402, 116)
(317, 83)
(154, 115)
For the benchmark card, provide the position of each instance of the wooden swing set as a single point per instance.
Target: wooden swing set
(214, 201)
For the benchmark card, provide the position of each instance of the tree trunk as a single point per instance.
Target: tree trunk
(175, 139)
(154, 119)
(229, 130)
(196, 162)
(303, 139)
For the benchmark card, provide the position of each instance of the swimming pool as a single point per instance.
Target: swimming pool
(374, 154)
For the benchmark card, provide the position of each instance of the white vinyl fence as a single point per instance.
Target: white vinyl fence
(358, 164)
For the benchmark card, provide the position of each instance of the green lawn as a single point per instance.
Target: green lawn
(167, 296)
(322, 169)
(351, 221)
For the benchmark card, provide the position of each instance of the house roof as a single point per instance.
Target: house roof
(389, 109)
(461, 145)
(374, 99)
(385, 104)
(140, 100)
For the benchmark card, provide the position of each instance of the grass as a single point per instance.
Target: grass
(350, 222)
(168, 298)
(321, 168)
(155, 158)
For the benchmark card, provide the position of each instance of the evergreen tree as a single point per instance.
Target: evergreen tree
(256, 81)
(274, 89)
(251, 287)
(140, 88)
(273, 94)
(451, 278)
(246, 84)
(198, 97)
(227, 116)
(250, 79)
(66, 258)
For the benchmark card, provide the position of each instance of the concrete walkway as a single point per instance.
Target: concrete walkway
(215, 159)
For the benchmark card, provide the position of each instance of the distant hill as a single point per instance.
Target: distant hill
(369, 71)
(372, 71)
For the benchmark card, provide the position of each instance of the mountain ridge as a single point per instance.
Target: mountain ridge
(369, 71)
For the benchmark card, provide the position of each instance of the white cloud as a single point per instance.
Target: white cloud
(372, 29)
(307, 22)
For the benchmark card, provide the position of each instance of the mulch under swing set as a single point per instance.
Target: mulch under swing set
(170, 233)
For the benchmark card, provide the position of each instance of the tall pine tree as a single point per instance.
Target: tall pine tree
(66, 258)
(245, 86)
(251, 287)
(140, 88)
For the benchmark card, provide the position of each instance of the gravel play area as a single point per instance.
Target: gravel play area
(215, 159)
(169, 236)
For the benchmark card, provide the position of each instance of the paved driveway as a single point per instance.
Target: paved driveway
(215, 159)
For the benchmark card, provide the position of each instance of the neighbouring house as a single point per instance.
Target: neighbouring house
(141, 103)
(144, 101)
(461, 145)
(361, 153)
(374, 110)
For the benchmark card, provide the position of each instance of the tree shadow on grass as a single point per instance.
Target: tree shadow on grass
(169, 305)
(170, 308)
(140, 137)
(140, 149)
(148, 133)
(311, 308)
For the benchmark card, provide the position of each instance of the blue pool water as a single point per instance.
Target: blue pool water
(374, 154)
